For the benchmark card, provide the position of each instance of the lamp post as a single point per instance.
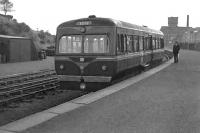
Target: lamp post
(195, 35)
(187, 39)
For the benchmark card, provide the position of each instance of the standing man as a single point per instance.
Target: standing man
(176, 49)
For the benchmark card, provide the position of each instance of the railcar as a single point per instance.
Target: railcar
(95, 50)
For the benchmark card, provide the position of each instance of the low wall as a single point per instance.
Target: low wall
(190, 46)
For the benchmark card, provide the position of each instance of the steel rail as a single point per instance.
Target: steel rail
(40, 86)
(20, 97)
(22, 87)
(25, 76)
(35, 81)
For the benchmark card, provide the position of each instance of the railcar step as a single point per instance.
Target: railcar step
(145, 65)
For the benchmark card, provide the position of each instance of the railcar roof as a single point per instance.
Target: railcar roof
(109, 22)
(12, 37)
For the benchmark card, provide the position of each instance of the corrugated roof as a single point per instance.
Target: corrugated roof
(13, 37)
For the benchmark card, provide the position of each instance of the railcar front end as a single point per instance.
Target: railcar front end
(84, 54)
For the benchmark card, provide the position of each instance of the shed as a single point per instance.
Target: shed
(17, 49)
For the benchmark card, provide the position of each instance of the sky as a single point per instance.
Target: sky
(48, 14)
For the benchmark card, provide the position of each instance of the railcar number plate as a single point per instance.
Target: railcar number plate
(82, 59)
(84, 23)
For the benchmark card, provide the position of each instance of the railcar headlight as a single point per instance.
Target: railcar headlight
(81, 67)
(61, 66)
(82, 86)
(104, 68)
(83, 29)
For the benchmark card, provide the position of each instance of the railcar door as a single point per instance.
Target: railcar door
(151, 47)
(141, 47)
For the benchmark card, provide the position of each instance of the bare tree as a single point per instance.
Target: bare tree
(6, 6)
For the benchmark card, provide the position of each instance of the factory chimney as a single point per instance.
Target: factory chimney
(188, 21)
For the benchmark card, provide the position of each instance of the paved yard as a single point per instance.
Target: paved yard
(24, 67)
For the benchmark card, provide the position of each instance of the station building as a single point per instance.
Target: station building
(191, 36)
(17, 49)
(173, 32)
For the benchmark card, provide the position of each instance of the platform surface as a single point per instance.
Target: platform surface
(26, 67)
(166, 102)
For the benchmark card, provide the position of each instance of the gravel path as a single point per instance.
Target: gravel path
(22, 109)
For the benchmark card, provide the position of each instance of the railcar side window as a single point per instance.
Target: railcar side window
(125, 43)
(136, 43)
(70, 44)
(153, 43)
(158, 43)
(118, 44)
(122, 43)
(162, 43)
(96, 44)
(144, 43)
(141, 43)
(130, 44)
(147, 43)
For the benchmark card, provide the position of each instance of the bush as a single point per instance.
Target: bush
(12, 27)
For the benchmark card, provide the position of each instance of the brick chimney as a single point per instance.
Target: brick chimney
(188, 21)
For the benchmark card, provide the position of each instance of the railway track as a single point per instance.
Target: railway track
(19, 87)
(18, 78)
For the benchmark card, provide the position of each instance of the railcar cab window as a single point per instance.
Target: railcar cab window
(92, 44)
(70, 44)
(96, 44)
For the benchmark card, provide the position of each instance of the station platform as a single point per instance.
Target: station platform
(26, 67)
(162, 100)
